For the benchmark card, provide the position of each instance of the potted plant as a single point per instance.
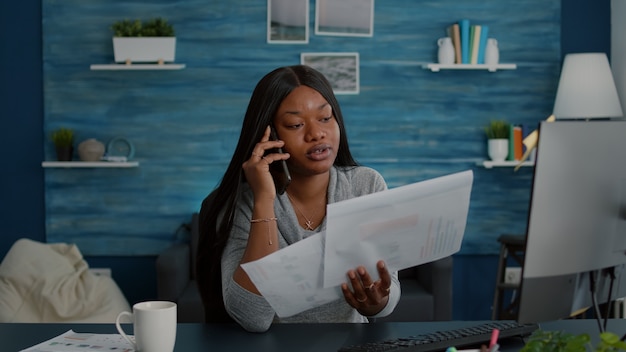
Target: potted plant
(497, 132)
(542, 341)
(149, 41)
(63, 140)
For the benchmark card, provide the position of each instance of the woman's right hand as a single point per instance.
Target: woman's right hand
(257, 167)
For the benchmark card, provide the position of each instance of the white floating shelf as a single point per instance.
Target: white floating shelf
(488, 164)
(90, 164)
(116, 67)
(490, 68)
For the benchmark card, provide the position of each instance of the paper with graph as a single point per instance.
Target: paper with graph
(404, 226)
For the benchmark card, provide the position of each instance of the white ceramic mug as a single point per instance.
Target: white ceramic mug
(154, 324)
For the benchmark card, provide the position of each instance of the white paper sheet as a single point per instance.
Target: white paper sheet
(404, 226)
(71, 341)
(291, 278)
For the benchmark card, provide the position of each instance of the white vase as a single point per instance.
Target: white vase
(498, 149)
(446, 51)
(492, 53)
(91, 150)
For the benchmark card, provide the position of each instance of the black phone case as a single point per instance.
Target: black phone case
(279, 170)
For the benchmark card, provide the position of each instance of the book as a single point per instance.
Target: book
(455, 34)
(518, 142)
(484, 31)
(511, 156)
(464, 25)
(476, 29)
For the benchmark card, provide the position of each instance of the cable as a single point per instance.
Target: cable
(611, 273)
(594, 300)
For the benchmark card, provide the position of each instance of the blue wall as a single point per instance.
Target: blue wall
(409, 123)
(423, 107)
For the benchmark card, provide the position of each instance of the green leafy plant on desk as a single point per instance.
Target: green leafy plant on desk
(557, 341)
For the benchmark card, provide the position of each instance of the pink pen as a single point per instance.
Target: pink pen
(494, 338)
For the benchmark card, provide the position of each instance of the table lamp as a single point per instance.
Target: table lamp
(586, 91)
(586, 88)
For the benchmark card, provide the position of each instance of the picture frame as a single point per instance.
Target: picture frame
(341, 69)
(350, 18)
(287, 21)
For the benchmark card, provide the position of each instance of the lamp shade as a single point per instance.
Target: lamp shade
(586, 88)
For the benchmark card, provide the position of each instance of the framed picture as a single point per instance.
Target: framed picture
(341, 69)
(352, 18)
(288, 21)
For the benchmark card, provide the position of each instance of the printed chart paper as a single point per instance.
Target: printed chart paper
(404, 226)
(291, 278)
(71, 341)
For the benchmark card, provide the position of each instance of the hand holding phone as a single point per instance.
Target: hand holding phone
(278, 169)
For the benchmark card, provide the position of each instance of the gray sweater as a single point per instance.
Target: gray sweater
(252, 311)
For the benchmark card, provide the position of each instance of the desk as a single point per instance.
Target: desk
(280, 337)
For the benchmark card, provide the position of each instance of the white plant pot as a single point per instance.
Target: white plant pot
(498, 149)
(144, 49)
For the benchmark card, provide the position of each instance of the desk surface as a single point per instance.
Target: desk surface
(280, 337)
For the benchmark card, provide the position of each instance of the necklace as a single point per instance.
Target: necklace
(309, 223)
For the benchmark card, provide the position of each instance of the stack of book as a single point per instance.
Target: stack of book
(469, 41)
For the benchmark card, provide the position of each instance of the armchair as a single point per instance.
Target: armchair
(176, 277)
(426, 289)
(426, 293)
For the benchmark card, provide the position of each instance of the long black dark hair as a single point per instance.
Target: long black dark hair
(216, 214)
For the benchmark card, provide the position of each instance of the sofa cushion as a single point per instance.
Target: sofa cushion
(42, 283)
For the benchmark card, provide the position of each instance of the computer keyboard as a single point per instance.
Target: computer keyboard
(441, 340)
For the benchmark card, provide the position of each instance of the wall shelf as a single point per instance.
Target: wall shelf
(491, 68)
(119, 67)
(89, 164)
(488, 164)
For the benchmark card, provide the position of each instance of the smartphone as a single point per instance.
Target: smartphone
(278, 169)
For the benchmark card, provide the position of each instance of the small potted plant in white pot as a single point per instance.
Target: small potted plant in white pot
(152, 41)
(498, 132)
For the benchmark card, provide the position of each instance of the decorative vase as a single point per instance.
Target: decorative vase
(64, 153)
(90, 150)
(492, 53)
(498, 149)
(446, 51)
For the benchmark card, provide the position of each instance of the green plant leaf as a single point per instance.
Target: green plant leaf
(156, 27)
(498, 129)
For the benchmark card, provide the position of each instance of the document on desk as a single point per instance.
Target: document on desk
(71, 341)
(404, 226)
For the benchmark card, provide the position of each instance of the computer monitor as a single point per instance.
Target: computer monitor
(577, 220)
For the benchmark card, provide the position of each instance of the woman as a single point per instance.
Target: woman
(245, 219)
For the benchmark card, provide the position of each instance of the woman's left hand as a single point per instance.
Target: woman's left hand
(368, 296)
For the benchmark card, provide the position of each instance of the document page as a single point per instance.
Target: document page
(291, 278)
(404, 226)
(71, 341)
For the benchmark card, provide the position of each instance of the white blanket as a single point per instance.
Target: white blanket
(42, 283)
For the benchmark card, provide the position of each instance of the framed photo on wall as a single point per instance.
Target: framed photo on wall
(351, 18)
(288, 21)
(341, 69)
